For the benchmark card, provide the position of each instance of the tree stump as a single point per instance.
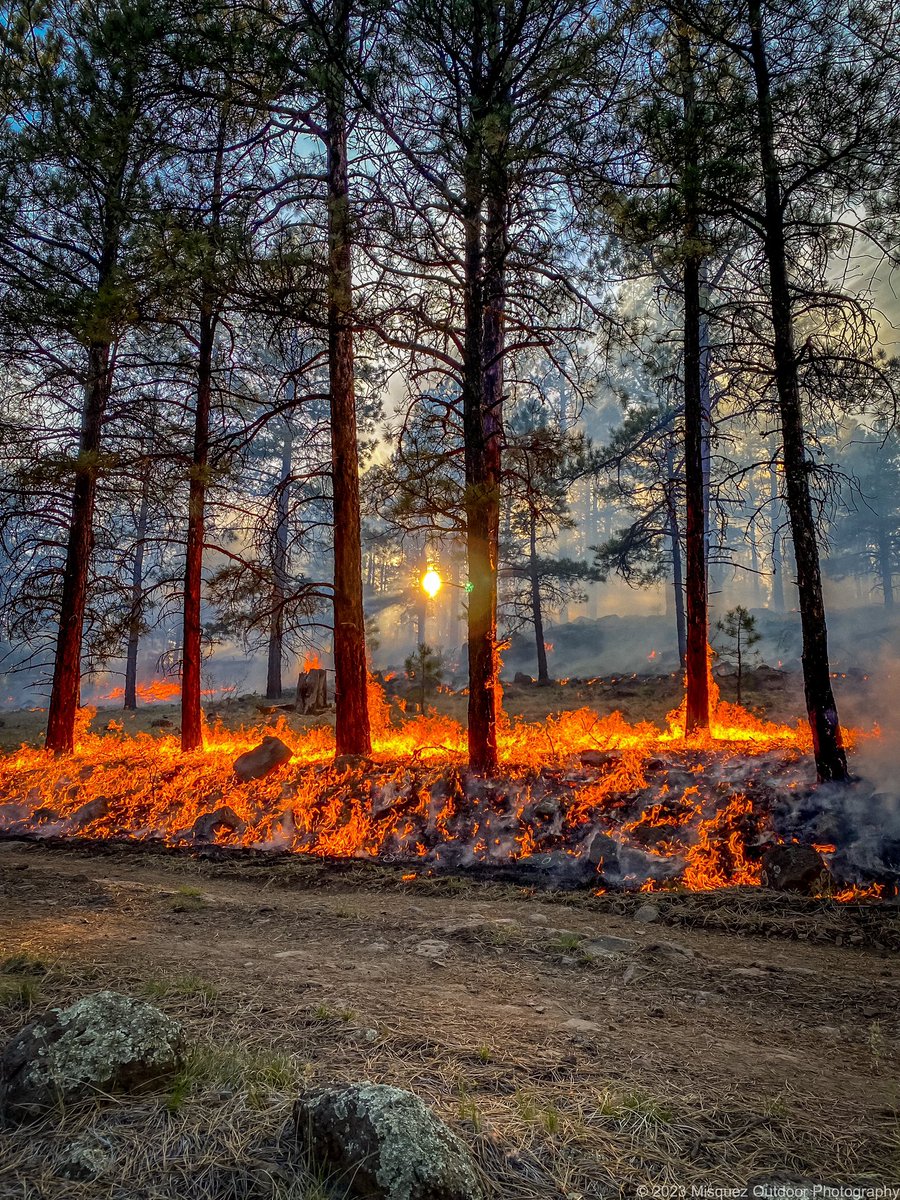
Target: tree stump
(312, 691)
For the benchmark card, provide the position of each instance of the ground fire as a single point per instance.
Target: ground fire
(581, 800)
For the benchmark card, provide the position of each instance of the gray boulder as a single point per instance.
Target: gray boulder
(269, 754)
(385, 1144)
(102, 1043)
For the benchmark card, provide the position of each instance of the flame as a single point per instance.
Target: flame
(154, 691)
(311, 661)
(564, 780)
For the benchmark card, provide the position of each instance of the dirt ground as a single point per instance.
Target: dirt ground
(737, 1036)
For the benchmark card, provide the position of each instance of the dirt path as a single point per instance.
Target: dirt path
(579, 1050)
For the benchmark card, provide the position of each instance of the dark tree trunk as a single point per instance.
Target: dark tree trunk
(192, 634)
(352, 734)
(482, 566)
(828, 747)
(137, 593)
(885, 563)
(706, 410)
(777, 600)
(279, 570)
(66, 691)
(485, 226)
(696, 651)
(677, 571)
(536, 614)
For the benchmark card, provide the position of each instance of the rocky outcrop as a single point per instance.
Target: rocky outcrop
(102, 1043)
(385, 1144)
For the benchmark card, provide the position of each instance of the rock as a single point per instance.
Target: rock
(603, 947)
(599, 758)
(269, 754)
(102, 1043)
(432, 948)
(792, 867)
(383, 1143)
(602, 852)
(581, 1026)
(523, 679)
(633, 971)
(666, 952)
(647, 914)
(207, 825)
(548, 808)
(92, 811)
(162, 723)
(555, 868)
(82, 1160)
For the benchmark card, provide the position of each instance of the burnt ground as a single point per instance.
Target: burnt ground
(740, 1035)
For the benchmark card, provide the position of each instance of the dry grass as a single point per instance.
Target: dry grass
(542, 1121)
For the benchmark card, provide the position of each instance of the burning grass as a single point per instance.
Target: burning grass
(583, 798)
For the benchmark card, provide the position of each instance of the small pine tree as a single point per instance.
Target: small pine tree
(425, 669)
(739, 626)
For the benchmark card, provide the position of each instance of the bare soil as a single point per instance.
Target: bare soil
(739, 1036)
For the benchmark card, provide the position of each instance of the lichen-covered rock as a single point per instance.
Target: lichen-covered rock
(385, 1144)
(102, 1043)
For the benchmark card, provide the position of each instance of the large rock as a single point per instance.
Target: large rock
(383, 1143)
(269, 754)
(208, 824)
(792, 867)
(102, 1043)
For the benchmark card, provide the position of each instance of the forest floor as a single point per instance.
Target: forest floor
(777, 695)
(735, 1036)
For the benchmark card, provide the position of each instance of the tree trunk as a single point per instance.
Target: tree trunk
(536, 614)
(696, 650)
(192, 635)
(482, 566)
(885, 567)
(352, 734)
(66, 691)
(677, 575)
(279, 569)
(777, 598)
(828, 748)
(137, 593)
